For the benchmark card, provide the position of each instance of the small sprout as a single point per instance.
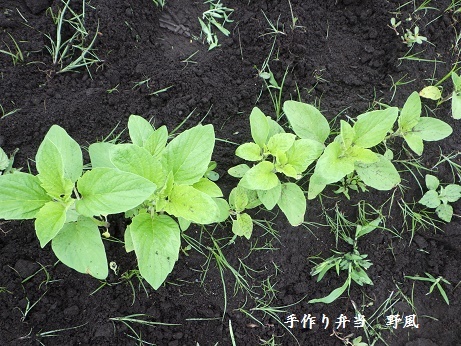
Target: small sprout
(394, 25)
(106, 234)
(113, 266)
(410, 38)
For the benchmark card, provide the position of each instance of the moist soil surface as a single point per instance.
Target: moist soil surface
(340, 55)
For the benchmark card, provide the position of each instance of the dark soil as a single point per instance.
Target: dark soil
(343, 58)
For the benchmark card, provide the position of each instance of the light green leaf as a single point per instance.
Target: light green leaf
(303, 152)
(21, 196)
(223, 209)
(369, 227)
(156, 242)
(259, 127)
(108, 191)
(431, 92)
(191, 204)
(444, 212)
(188, 155)
(316, 185)
(156, 142)
(307, 122)
(238, 171)
(415, 142)
(288, 170)
(69, 152)
(49, 221)
(456, 106)
(79, 246)
(4, 160)
(431, 129)
(452, 192)
(292, 203)
(430, 199)
(137, 160)
(280, 143)
(128, 239)
(410, 113)
(139, 129)
(260, 177)
(249, 151)
(359, 154)
(347, 134)
(208, 187)
(372, 127)
(238, 198)
(270, 197)
(332, 166)
(99, 154)
(456, 81)
(335, 294)
(243, 225)
(380, 175)
(184, 224)
(432, 182)
(51, 170)
(274, 127)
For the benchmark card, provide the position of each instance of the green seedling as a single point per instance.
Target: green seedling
(456, 96)
(179, 169)
(159, 3)
(354, 263)
(436, 282)
(394, 25)
(6, 163)
(15, 54)
(278, 154)
(416, 129)
(217, 16)
(439, 200)
(412, 37)
(353, 182)
(350, 152)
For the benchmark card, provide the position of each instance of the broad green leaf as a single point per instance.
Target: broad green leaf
(316, 185)
(280, 143)
(415, 142)
(223, 209)
(238, 198)
(260, 177)
(156, 142)
(99, 154)
(432, 182)
(306, 120)
(49, 221)
(238, 171)
(79, 246)
(249, 151)
(4, 160)
(431, 92)
(372, 127)
(292, 203)
(51, 170)
(452, 192)
(139, 129)
(183, 223)
(269, 198)
(188, 155)
(456, 106)
(243, 225)
(430, 199)
(347, 134)
(365, 229)
(362, 155)
(444, 212)
(380, 175)
(332, 166)
(137, 160)
(288, 170)
(431, 129)
(128, 239)
(274, 127)
(69, 152)
(456, 81)
(335, 294)
(191, 204)
(259, 127)
(156, 242)
(410, 113)
(303, 152)
(21, 196)
(108, 191)
(207, 186)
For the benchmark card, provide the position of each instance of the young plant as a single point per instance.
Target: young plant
(456, 96)
(436, 282)
(350, 152)
(180, 170)
(412, 37)
(68, 205)
(6, 163)
(278, 154)
(439, 200)
(216, 16)
(353, 182)
(354, 263)
(416, 129)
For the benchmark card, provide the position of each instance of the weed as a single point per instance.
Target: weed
(15, 53)
(4, 113)
(159, 3)
(217, 16)
(436, 282)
